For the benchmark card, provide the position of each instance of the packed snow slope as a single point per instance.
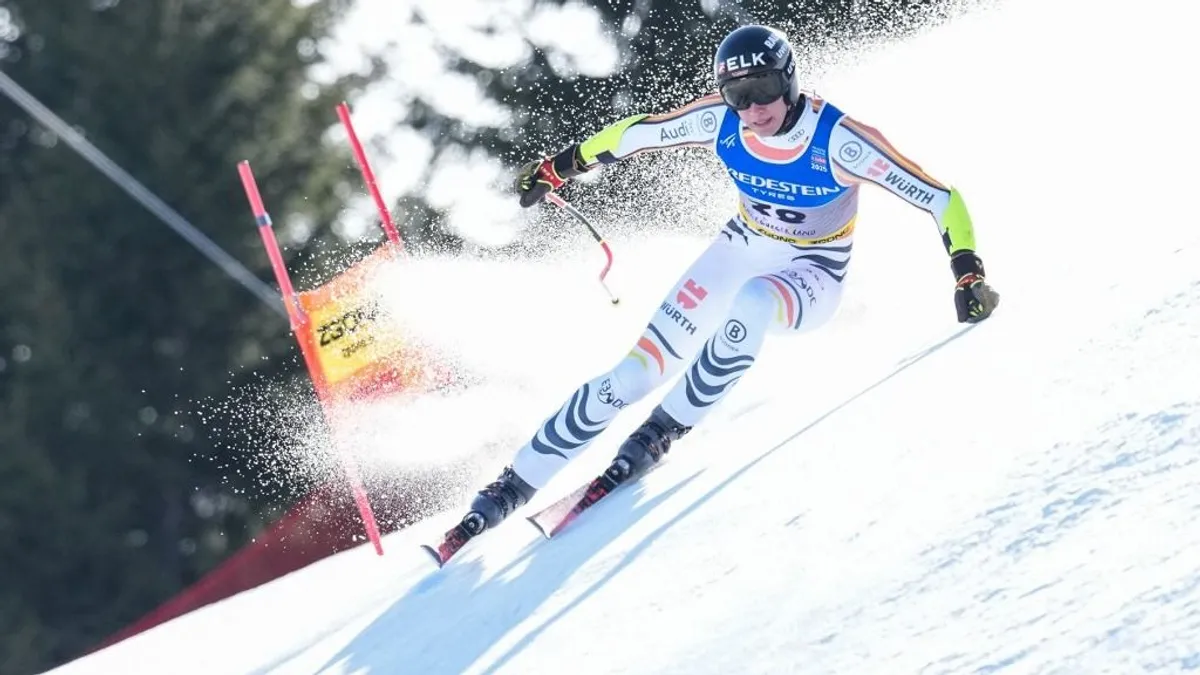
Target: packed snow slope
(894, 494)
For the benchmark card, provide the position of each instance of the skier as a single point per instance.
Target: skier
(777, 265)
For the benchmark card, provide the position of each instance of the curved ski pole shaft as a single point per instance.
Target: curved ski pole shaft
(561, 203)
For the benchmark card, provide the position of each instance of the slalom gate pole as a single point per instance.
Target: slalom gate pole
(563, 204)
(263, 220)
(389, 228)
(299, 324)
(343, 111)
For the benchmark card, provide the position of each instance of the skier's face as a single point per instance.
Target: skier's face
(764, 119)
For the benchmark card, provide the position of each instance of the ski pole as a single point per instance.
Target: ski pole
(559, 202)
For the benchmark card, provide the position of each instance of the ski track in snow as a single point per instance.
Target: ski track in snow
(1089, 564)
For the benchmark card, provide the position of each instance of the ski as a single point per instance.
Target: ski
(452, 542)
(550, 520)
(554, 518)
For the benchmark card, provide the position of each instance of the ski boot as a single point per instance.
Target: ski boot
(491, 505)
(645, 446)
(497, 501)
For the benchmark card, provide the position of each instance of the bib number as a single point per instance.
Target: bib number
(787, 216)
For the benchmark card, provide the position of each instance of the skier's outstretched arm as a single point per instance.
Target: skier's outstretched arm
(862, 154)
(694, 124)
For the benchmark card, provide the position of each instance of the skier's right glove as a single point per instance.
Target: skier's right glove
(974, 299)
(541, 176)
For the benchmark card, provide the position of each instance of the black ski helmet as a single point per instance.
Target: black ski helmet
(759, 53)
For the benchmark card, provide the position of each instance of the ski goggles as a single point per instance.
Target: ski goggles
(762, 88)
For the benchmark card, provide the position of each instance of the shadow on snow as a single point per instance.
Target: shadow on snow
(450, 619)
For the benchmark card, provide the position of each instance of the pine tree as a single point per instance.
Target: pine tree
(109, 322)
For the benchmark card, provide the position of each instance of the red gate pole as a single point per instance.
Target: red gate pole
(299, 324)
(343, 111)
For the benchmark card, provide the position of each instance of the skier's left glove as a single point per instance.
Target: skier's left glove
(974, 299)
(541, 176)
